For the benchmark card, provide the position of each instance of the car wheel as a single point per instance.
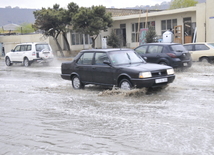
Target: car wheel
(76, 83)
(26, 62)
(125, 84)
(163, 63)
(7, 61)
(204, 60)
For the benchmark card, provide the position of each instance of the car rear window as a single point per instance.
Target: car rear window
(211, 45)
(178, 48)
(40, 47)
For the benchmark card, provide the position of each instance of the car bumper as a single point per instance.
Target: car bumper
(181, 63)
(43, 60)
(66, 76)
(152, 82)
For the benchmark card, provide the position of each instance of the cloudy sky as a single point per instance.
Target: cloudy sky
(38, 4)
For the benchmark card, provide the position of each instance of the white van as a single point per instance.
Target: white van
(27, 53)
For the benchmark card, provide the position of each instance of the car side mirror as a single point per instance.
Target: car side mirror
(107, 62)
(145, 58)
(12, 50)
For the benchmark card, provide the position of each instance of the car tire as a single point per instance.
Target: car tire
(125, 84)
(204, 60)
(26, 62)
(76, 83)
(7, 61)
(163, 63)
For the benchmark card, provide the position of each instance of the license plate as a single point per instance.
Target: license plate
(185, 64)
(161, 80)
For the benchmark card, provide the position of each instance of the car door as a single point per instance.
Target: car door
(15, 54)
(201, 50)
(84, 67)
(102, 73)
(154, 53)
(20, 54)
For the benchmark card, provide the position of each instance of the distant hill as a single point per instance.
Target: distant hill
(19, 16)
(16, 16)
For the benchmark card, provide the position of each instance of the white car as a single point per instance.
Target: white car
(203, 51)
(27, 53)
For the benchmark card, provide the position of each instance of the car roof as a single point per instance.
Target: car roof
(107, 50)
(32, 43)
(199, 43)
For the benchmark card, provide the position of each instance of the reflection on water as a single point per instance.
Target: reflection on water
(41, 114)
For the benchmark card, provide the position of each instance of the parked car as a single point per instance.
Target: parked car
(27, 53)
(171, 54)
(122, 68)
(203, 51)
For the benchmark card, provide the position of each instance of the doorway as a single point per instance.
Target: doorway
(189, 30)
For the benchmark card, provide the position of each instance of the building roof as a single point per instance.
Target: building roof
(10, 27)
(152, 14)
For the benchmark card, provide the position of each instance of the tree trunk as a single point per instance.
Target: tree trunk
(66, 41)
(59, 47)
(93, 42)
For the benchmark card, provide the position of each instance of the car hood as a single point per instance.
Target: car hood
(144, 67)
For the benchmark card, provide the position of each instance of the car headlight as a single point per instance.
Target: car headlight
(145, 75)
(170, 71)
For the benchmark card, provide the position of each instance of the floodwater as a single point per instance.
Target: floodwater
(40, 113)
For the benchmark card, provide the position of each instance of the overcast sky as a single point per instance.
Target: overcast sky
(38, 4)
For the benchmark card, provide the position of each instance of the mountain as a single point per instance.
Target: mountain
(16, 15)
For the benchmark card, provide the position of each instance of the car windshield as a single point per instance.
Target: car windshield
(178, 48)
(40, 47)
(125, 57)
(211, 45)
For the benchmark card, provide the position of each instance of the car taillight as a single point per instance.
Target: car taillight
(34, 53)
(171, 55)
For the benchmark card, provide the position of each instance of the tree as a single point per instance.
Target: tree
(175, 4)
(113, 40)
(91, 21)
(150, 35)
(54, 21)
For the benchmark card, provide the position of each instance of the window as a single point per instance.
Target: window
(155, 49)
(189, 47)
(86, 59)
(136, 28)
(28, 48)
(18, 48)
(77, 39)
(100, 57)
(141, 50)
(167, 24)
(201, 47)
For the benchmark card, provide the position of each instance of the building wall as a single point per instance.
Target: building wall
(209, 21)
(201, 22)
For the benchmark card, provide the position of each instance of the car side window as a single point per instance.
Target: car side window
(100, 57)
(23, 47)
(17, 48)
(86, 59)
(28, 48)
(155, 49)
(201, 47)
(188, 47)
(141, 50)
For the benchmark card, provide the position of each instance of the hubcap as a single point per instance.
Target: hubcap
(76, 83)
(125, 85)
(26, 62)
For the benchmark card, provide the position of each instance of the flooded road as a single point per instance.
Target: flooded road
(40, 113)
